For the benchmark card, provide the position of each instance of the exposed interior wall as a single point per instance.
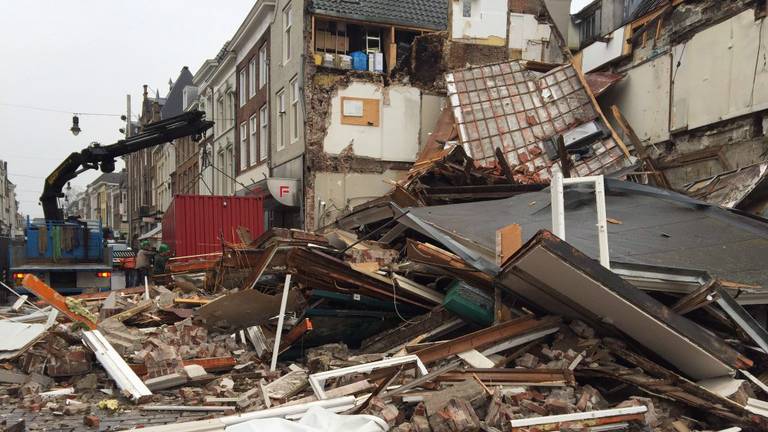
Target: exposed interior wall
(431, 107)
(486, 23)
(528, 37)
(643, 97)
(599, 53)
(337, 192)
(396, 138)
(721, 74)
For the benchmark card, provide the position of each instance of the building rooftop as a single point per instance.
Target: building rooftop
(174, 104)
(428, 14)
(111, 178)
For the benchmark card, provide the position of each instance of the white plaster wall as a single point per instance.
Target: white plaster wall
(599, 53)
(642, 97)
(397, 136)
(431, 107)
(488, 19)
(528, 35)
(716, 79)
(335, 192)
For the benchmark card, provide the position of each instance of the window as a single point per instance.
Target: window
(589, 28)
(252, 78)
(280, 119)
(229, 118)
(287, 24)
(219, 114)
(230, 169)
(466, 9)
(252, 148)
(242, 88)
(220, 183)
(243, 145)
(263, 66)
(294, 109)
(263, 132)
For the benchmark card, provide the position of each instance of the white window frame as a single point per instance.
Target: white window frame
(219, 185)
(294, 116)
(287, 26)
(264, 132)
(252, 78)
(281, 114)
(263, 66)
(219, 114)
(243, 145)
(241, 87)
(253, 143)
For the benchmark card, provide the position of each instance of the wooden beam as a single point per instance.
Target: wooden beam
(661, 179)
(599, 110)
(485, 337)
(53, 298)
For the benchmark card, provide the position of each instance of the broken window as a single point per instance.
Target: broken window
(589, 28)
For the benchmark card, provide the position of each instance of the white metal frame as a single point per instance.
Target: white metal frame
(280, 319)
(581, 416)
(558, 210)
(115, 366)
(317, 381)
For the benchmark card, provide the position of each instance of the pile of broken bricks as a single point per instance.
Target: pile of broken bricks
(398, 323)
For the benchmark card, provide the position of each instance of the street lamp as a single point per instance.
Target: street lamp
(75, 129)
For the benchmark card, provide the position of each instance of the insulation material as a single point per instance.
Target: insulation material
(507, 106)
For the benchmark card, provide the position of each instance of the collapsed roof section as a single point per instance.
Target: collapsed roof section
(524, 108)
(744, 189)
(650, 226)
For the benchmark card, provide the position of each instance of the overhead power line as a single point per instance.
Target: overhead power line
(80, 113)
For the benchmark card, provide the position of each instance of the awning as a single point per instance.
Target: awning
(154, 233)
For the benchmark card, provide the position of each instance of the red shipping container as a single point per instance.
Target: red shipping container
(197, 224)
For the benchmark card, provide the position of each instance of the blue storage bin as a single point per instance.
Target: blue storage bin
(359, 60)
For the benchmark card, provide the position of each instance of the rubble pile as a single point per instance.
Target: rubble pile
(473, 296)
(414, 323)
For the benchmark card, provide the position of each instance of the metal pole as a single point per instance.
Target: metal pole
(128, 116)
(280, 319)
(557, 202)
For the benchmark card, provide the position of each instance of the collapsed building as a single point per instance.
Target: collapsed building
(527, 266)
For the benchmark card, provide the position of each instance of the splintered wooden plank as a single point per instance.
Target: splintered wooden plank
(58, 301)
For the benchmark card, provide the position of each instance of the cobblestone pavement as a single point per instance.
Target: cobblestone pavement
(49, 422)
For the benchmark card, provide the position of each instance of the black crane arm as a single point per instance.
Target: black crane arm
(103, 157)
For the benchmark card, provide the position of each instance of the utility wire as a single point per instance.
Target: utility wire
(58, 110)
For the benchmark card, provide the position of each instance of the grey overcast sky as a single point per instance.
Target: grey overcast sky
(85, 56)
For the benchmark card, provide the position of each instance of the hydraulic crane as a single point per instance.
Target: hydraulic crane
(103, 157)
(70, 254)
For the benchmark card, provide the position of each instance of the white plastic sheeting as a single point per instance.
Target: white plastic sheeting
(316, 419)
